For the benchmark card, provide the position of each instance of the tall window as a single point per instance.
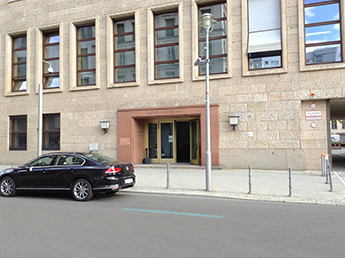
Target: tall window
(217, 38)
(19, 63)
(166, 45)
(18, 133)
(264, 39)
(51, 132)
(86, 55)
(334, 124)
(124, 54)
(322, 31)
(51, 53)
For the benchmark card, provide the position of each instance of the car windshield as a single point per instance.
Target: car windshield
(100, 158)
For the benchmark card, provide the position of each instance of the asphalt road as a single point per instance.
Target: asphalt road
(147, 225)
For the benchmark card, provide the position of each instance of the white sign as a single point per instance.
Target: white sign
(313, 125)
(312, 105)
(93, 146)
(250, 134)
(313, 115)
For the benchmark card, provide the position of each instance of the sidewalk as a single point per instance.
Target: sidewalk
(307, 187)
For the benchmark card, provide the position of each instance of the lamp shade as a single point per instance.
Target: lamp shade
(104, 124)
(207, 20)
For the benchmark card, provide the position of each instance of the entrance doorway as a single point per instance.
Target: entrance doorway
(176, 141)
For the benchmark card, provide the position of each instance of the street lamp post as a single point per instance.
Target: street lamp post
(40, 98)
(206, 22)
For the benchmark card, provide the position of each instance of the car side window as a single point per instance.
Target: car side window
(44, 161)
(69, 160)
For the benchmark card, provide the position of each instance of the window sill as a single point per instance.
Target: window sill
(212, 77)
(18, 93)
(264, 71)
(318, 67)
(165, 81)
(81, 88)
(123, 85)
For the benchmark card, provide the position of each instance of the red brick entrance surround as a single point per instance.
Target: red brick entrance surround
(131, 122)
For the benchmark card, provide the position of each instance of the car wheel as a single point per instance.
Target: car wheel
(82, 190)
(8, 187)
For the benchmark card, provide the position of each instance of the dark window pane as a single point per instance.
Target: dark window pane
(19, 85)
(52, 51)
(87, 78)
(167, 70)
(52, 81)
(87, 47)
(19, 56)
(125, 74)
(18, 129)
(19, 43)
(19, 70)
(167, 53)
(125, 58)
(86, 32)
(86, 62)
(217, 65)
(321, 13)
(324, 33)
(323, 54)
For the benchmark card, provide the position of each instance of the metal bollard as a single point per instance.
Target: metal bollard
(290, 185)
(327, 173)
(11, 164)
(330, 178)
(168, 178)
(250, 180)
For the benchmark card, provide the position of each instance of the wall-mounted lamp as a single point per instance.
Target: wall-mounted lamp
(104, 126)
(233, 120)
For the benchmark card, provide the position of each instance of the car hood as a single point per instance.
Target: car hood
(8, 170)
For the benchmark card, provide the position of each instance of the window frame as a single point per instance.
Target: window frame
(245, 36)
(302, 50)
(13, 133)
(195, 39)
(151, 43)
(209, 4)
(14, 50)
(117, 51)
(311, 25)
(45, 72)
(157, 46)
(48, 131)
(80, 70)
(111, 48)
(73, 55)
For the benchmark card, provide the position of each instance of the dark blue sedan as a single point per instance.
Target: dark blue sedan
(83, 174)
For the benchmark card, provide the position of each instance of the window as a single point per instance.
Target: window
(86, 55)
(264, 34)
(217, 38)
(343, 124)
(322, 31)
(124, 50)
(18, 134)
(19, 54)
(51, 53)
(334, 124)
(51, 132)
(166, 45)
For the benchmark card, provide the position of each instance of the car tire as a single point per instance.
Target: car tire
(8, 187)
(82, 190)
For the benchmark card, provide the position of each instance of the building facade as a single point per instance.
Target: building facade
(277, 65)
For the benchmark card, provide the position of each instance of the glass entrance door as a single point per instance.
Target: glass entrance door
(173, 141)
(161, 142)
(194, 129)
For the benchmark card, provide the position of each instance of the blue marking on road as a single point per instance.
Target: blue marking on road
(175, 213)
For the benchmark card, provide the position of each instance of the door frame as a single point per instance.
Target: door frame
(159, 121)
